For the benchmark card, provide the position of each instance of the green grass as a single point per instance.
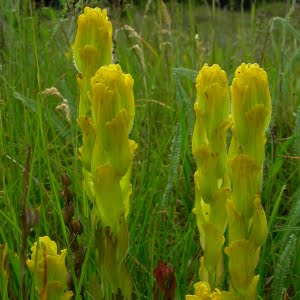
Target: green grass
(163, 58)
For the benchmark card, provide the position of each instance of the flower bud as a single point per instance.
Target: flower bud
(165, 280)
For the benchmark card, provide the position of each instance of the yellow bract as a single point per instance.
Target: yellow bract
(49, 269)
(243, 258)
(244, 172)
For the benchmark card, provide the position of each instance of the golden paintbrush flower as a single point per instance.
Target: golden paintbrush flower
(93, 42)
(202, 291)
(211, 179)
(49, 269)
(251, 109)
(92, 49)
(251, 113)
(113, 112)
(106, 115)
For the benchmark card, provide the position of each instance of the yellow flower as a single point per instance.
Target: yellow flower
(92, 49)
(112, 92)
(113, 111)
(212, 121)
(251, 109)
(93, 42)
(212, 99)
(49, 269)
(202, 291)
(211, 178)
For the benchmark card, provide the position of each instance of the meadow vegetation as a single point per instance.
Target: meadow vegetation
(163, 46)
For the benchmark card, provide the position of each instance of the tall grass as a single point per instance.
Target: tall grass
(163, 54)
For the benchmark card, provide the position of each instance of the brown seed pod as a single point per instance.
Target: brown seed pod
(66, 181)
(79, 257)
(71, 209)
(76, 226)
(68, 213)
(67, 195)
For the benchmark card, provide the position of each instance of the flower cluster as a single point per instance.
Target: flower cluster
(228, 185)
(106, 115)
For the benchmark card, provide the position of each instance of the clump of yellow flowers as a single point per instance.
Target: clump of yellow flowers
(49, 270)
(106, 115)
(228, 186)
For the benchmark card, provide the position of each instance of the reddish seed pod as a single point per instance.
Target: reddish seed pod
(165, 280)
